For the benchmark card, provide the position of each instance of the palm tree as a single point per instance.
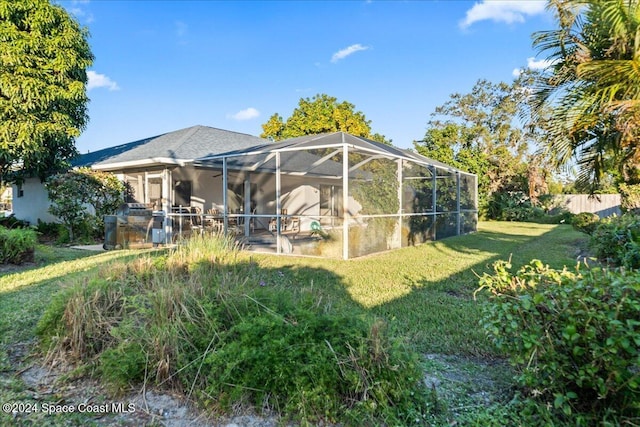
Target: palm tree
(592, 89)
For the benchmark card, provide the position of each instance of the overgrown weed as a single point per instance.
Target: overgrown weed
(207, 320)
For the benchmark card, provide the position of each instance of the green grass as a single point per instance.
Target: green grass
(425, 293)
(25, 293)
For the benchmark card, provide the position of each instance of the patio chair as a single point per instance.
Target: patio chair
(213, 219)
(295, 224)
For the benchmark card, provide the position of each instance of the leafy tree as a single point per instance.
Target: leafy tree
(478, 132)
(44, 55)
(320, 114)
(72, 192)
(593, 88)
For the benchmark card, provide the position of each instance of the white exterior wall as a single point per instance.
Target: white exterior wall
(33, 204)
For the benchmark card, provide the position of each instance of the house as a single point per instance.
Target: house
(331, 195)
(158, 170)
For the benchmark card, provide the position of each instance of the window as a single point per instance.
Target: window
(20, 190)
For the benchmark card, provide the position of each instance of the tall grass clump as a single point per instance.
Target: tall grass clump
(17, 245)
(207, 320)
(574, 337)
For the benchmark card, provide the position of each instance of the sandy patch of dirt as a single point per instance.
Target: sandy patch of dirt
(151, 407)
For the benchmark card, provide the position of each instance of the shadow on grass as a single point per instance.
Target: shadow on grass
(443, 305)
(25, 294)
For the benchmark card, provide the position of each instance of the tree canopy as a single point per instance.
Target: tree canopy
(479, 132)
(320, 114)
(44, 55)
(590, 94)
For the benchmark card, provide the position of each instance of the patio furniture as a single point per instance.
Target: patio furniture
(213, 220)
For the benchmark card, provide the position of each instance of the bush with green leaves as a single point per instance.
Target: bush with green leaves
(72, 192)
(510, 206)
(573, 335)
(207, 320)
(17, 245)
(616, 240)
(12, 222)
(517, 206)
(630, 194)
(585, 222)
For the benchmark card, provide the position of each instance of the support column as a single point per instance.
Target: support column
(345, 201)
(434, 200)
(459, 217)
(278, 206)
(398, 238)
(225, 202)
(167, 199)
(247, 204)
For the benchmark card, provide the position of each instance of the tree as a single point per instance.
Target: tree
(591, 93)
(320, 114)
(72, 192)
(478, 132)
(44, 55)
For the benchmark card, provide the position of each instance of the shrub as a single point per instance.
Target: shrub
(573, 336)
(17, 245)
(510, 206)
(630, 197)
(561, 217)
(72, 192)
(12, 222)
(616, 240)
(585, 222)
(49, 231)
(204, 319)
(516, 206)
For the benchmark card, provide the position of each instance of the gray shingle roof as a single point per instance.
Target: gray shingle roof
(181, 146)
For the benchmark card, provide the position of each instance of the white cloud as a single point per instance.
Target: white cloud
(82, 15)
(539, 64)
(508, 11)
(97, 80)
(341, 54)
(246, 114)
(534, 64)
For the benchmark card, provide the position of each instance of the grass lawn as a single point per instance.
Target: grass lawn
(425, 293)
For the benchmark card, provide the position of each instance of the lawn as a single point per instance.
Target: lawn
(424, 293)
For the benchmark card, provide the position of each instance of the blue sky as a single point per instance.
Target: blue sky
(166, 65)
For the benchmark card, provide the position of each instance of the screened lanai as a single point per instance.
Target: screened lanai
(340, 196)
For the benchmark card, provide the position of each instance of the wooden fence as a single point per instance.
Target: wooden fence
(602, 204)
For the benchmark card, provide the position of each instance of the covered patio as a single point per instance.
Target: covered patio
(337, 195)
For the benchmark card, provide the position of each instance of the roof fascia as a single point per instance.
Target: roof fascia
(146, 162)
